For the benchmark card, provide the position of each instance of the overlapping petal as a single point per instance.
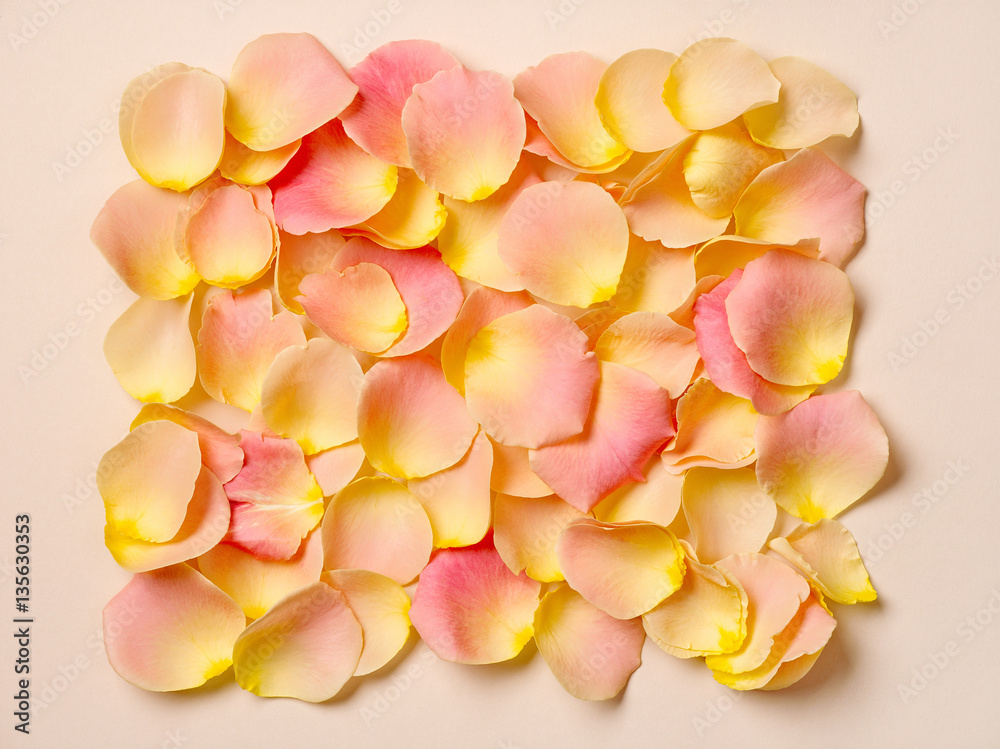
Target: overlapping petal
(816, 460)
(248, 167)
(656, 498)
(828, 555)
(723, 255)
(727, 512)
(220, 450)
(298, 256)
(655, 278)
(512, 473)
(525, 531)
(337, 467)
(714, 428)
(412, 218)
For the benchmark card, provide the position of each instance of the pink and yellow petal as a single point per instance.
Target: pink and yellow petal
(170, 629)
(722, 255)
(655, 499)
(337, 467)
(526, 530)
(220, 450)
(245, 166)
(298, 256)
(413, 217)
(512, 473)
(727, 512)
(713, 428)
(828, 555)
(655, 278)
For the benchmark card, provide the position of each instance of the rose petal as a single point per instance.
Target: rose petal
(727, 511)
(337, 467)
(473, 113)
(412, 218)
(812, 106)
(590, 653)
(330, 182)
(282, 87)
(248, 167)
(470, 608)
(625, 569)
(566, 242)
(657, 498)
(411, 422)
(818, 459)
(722, 255)
(170, 629)
(630, 418)
(715, 80)
(171, 125)
(457, 499)
(311, 395)
(525, 533)
(275, 500)
(298, 256)
(529, 378)
(220, 450)
(238, 340)
(651, 342)
(713, 428)
(307, 646)
(792, 318)
(386, 78)
(655, 278)
(827, 554)
(806, 196)
(140, 232)
(377, 524)
(147, 480)
(707, 615)
(538, 145)
(559, 94)
(512, 473)
(381, 607)
(630, 101)
(151, 351)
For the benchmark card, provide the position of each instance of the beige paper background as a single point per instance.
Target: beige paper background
(919, 67)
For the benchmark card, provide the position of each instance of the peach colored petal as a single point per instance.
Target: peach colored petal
(713, 428)
(228, 239)
(684, 314)
(792, 316)
(727, 365)
(307, 646)
(468, 112)
(457, 499)
(386, 78)
(525, 533)
(774, 593)
(705, 616)
(651, 342)
(431, 292)
(359, 306)
(377, 524)
(715, 80)
(205, 523)
(595, 322)
(659, 206)
(311, 395)
(655, 278)
(238, 340)
(381, 607)
(559, 94)
(337, 467)
(828, 555)
(480, 308)
(170, 629)
(282, 87)
(529, 378)
(147, 480)
(330, 183)
(298, 256)
(630, 101)
(468, 241)
(590, 653)
(812, 106)
(411, 422)
(512, 473)
(657, 498)
(630, 418)
(720, 165)
(140, 232)
(566, 242)
(412, 218)
(806, 196)
(625, 569)
(257, 584)
(171, 125)
(722, 255)
(220, 450)
(275, 500)
(470, 608)
(727, 511)
(248, 167)
(151, 351)
(538, 145)
(818, 459)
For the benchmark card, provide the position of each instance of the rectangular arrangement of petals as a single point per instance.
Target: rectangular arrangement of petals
(550, 351)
